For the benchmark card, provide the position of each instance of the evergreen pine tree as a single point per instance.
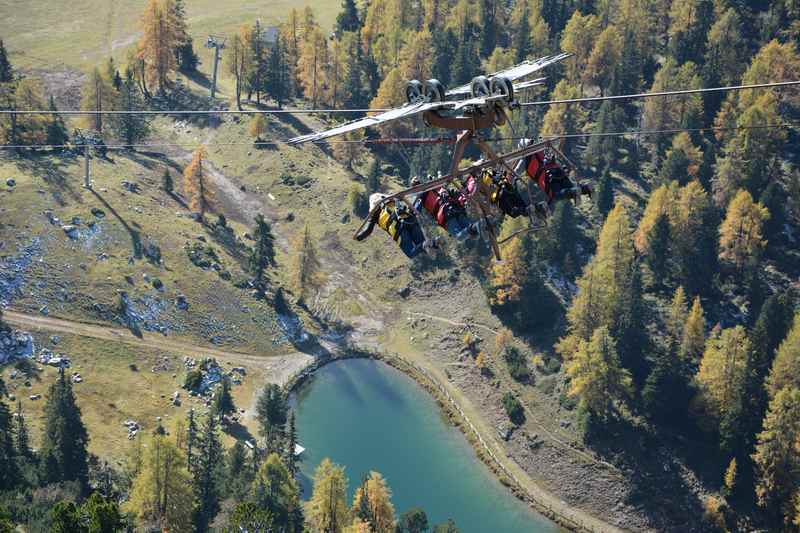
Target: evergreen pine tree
(272, 413)
(306, 271)
(65, 439)
(263, 254)
(657, 257)
(291, 444)
(130, 127)
(347, 19)
(488, 13)
(191, 439)
(277, 83)
(56, 129)
(6, 71)
(605, 192)
(223, 401)
(206, 474)
(22, 439)
(355, 95)
(9, 472)
(167, 184)
(522, 36)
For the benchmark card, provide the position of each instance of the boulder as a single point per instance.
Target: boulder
(98, 213)
(11, 182)
(70, 230)
(181, 302)
(404, 292)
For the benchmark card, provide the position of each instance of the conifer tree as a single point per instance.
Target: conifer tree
(312, 59)
(580, 37)
(31, 129)
(206, 474)
(64, 444)
(785, 370)
(605, 192)
(413, 521)
(740, 235)
(238, 474)
(158, 44)
(22, 438)
(558, 244)
(567, 118)
(195, 184)
(694, 337)
(162, 491)
(327, 509)
(291, 444)
(278, 75)
(223, 400)
(306, 265)
(347, 19)
(522, 34)
(722, 371)
(375, 494)
(272, 413)
(601, 150)
(184, 49)
(597, 379)
(726, 46)
(695, 238)
(6, 71)
(167, 184)
(274, 489)
(604, 58)
(131, 128)
(191, 439)
(236, 60)
(609, 295)
(97, 94)
(9, 472)
(263, 254)
(674, 112)
(56, 129)
(657, 257)
(776, 457)
(689, 23)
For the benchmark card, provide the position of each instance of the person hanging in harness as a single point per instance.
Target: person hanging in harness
(499, 187)
(400, 222)
(448, 208)
(545, 171)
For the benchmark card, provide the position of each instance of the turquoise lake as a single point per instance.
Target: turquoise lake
(365, 415)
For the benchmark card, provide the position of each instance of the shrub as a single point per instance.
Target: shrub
(514, 409)
(517, 365)
(194, 378)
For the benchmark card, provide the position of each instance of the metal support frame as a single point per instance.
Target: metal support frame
(217, 44)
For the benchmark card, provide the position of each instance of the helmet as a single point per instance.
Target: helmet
(415, 181)
(523, 142)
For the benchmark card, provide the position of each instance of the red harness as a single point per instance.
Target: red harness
(537, 169)
(436, 203)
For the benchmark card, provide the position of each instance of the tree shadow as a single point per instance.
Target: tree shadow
(136, 237)
(656, 483)
(237, 431)
(53, 170)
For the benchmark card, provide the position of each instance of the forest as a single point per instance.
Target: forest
(683, 321)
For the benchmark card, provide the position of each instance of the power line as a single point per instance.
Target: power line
(341, 110)
(662, 93)
(405, 140)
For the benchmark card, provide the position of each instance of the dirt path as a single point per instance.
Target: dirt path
(454, 323)
(278, 368)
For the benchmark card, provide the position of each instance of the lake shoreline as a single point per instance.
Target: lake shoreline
(455, 417)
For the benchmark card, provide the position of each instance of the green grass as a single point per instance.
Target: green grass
(50, 34)
(111, 392)
(72, 277)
